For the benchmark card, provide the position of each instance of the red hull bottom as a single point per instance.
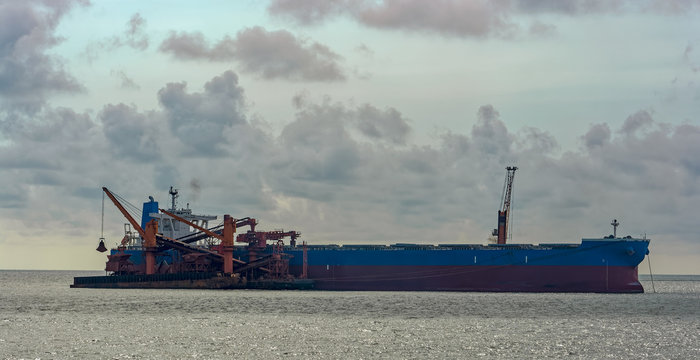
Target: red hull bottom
(511, 278)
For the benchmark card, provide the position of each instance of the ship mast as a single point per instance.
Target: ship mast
(173, 196)
(504, 212)
(615, 224)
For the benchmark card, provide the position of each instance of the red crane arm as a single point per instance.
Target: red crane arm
(126, 214)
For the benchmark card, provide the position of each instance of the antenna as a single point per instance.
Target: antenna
(173, 195)
(615, 224)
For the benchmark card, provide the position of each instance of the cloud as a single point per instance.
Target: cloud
(48, 149)
(570, 7)
(464, 19)
(636, 121)
(489, 133)
(445, 17)
(309, 12)
(279, 54)
(38, 141)
(598, 135)
(535, 140)
(200, 120)
(346, 173)
(270, 54)
(27, 72)
(538, 28)
(193, 46)
(318, 147)
(388, 125)
(126, 81)
(322, 160)
(129, 133)
(134, 37)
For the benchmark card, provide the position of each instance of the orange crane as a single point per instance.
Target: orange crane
(226, 237)
(504, 211)
(151, 238)
(148, 235)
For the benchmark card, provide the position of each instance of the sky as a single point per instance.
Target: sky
(366, 122)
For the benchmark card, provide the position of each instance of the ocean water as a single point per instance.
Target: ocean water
(42, 318)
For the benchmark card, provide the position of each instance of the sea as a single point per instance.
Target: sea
(41, 317)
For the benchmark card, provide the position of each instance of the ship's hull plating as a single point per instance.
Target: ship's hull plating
(595, 265)
(509, 278)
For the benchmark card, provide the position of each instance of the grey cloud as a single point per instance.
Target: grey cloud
(490, 133)
(13, 198)
(193, 46)
(310, 12)
(598, 135)
(279, 54)
(318, 147)
(636, 121)
(200, 120)
(388, 125)
(689, 60)
(570, 7)
(454, 18)
(134, 36)
(129, 133)
(671, 7)
(533, 139)
(686, 141)
(586, 7)
(319, 176)
(538, 28)
(165, 175)
(27, 73)
(446, 17)
(125, 81)
(270, 54)
(364, 50)
(50, 153)
(45, 139)
(460, 176)
(18, 159)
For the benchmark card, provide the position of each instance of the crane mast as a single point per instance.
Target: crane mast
(504, 211)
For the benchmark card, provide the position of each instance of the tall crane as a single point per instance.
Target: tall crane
(504, 211)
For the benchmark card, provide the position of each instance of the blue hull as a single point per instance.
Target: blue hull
(595, 265)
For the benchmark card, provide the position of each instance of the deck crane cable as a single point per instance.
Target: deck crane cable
(102, 226)
(503, 194)
(134, 210)
(511, 222)
(650, 273)
(101, 245)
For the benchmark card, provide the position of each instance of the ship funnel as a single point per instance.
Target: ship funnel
(101, 247)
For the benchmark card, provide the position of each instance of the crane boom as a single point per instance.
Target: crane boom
(126, 214)
(504, 212)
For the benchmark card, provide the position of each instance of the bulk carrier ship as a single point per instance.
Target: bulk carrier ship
(175, 248)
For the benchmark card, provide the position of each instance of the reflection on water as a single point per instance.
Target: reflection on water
(40, 317)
